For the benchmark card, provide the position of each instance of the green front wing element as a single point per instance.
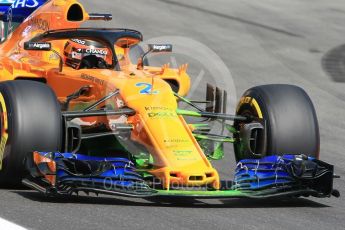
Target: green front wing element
(201, 194)
(267, 193)
(211, 144)
(213, 149)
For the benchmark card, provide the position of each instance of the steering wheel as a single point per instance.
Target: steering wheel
(93, 62)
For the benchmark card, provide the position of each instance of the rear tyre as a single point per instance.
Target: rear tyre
(291, 122)
(30, 121)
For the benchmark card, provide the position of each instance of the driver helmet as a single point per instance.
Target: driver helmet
(77, 49)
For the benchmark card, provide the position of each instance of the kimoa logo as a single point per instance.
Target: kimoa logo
(25, 3)
(157, 108)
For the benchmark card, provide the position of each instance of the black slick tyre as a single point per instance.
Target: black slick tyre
(30, 121)
(290, 117)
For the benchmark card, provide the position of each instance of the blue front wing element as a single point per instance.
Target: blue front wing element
(76, 172)
(287, 172)
(271, 176)
(101, 172)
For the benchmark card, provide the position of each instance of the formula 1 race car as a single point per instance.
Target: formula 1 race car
(78, 113)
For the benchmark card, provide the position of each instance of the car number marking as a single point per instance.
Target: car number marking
(147, 88)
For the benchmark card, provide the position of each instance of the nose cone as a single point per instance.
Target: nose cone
(178, 158)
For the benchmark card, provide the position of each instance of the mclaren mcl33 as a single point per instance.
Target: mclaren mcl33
(81, 110)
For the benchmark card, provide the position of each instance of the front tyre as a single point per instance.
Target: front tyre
(30, 120)
(290, 120)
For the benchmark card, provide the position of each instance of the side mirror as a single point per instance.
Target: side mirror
(43, 46)
(162, 48)
(154, 48)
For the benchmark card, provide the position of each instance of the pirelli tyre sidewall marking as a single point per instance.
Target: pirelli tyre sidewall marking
(4, 128)
(253, 103)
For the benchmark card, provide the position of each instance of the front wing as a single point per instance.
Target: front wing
(55, 174)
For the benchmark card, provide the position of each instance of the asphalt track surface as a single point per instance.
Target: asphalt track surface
(261, 42)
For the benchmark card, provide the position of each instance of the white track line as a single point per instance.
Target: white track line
(5, 224)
